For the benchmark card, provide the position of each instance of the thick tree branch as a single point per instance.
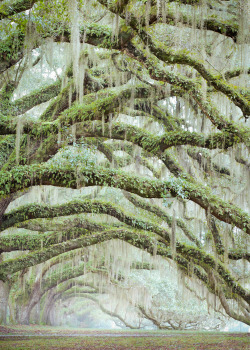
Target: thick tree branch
(171, 57)
(16, 6)
(23, 177)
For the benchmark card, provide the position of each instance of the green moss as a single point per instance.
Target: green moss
(37, 97)
(16, 7)
(7, 144)
(22, 177)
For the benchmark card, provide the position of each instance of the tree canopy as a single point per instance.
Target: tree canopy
(124, 128)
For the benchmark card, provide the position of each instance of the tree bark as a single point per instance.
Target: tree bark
(25, 310)
(4, 296)
(4, 202)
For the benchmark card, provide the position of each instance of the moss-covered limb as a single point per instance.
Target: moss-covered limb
(58, 279)
(205, 161)
(235, 73)
(46, 225)
(148, 315)
(223, 123)
(113, 161)
(4, 202)
(116, 6)
(133, 112)
(244, 307)
(59, 259)
(127, 147)
(184, 265)
(178, 171)
(174, 167)
(6, 126)
(12, 48)
(207, 261)
(77, 207)
(217, 287)
(22, 242)
(49, 146)
(7, 144)
(68, 95)
(221, 293)
(148, 105)
(237, 254)
(219, 247)
(151, 143)
(130, 158)
(148, 164)
(36, 241)
(170, 56)
(105, 149)
(81, 285)
(11, 160)
(156, 113)
(13, 265)
(46, 148)
(23, 156)
(221, 26)
(139, 240)
(77, 113)
(102, 308)
(23, 177)
(138, 202)
(104, 105)
(169, 121)
(242, 160)
(6, 94)
(71, 292)
(37, 97)
(230, 311)
(16, 6)
(117, 162)
(60, 103)
(79, 294)
(156, 72)
(225, 28)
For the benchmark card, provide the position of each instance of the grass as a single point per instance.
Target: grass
(42, 338)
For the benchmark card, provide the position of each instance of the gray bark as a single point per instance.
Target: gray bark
(4, 296)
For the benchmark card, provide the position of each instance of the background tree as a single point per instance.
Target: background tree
(135, 112)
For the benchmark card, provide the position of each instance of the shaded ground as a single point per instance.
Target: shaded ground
(45, 338)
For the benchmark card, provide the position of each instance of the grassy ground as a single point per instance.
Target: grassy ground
(45, 338)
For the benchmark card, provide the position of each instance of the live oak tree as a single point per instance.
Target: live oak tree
(141, 106)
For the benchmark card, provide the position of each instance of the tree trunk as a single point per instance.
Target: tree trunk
(4, 296)
(35, 314)
(24, 315)
(25, 310)
(52, 319)
(47, 307)
(3, 205)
